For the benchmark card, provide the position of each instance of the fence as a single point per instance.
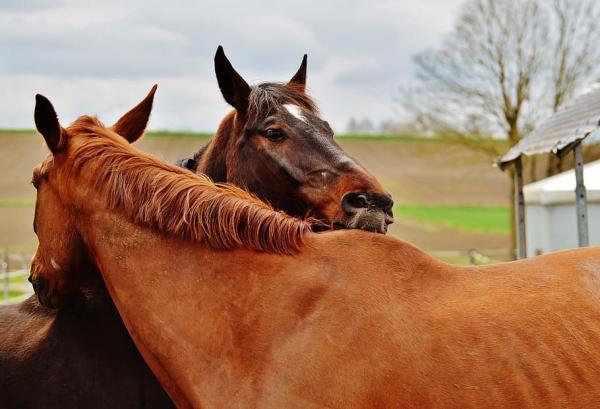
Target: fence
(14, 270)
(472, 256)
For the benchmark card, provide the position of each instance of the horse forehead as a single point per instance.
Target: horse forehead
(41, 171)
(321, 142)
(296, 112)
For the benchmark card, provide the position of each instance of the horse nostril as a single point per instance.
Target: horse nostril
(351, 202)
(384, 202)
(39, 285)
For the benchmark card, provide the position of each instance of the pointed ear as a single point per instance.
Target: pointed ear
(131, 126)
(46, 122)
(233, 87)
(299, 78)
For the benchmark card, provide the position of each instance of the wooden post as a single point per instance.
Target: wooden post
(581, 198)
(4, 269)
(520, 210)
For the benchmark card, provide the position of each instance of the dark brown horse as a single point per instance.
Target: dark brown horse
(275, 144)
(80, 356)
(352, 320)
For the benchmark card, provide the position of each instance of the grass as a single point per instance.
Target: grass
(482, 219)
(16, 285)
(178, 134)
(15, 279)
(17, 202)
(8, 131)
(385, 137)
(344, 137)
(11, 293)
(366, 137)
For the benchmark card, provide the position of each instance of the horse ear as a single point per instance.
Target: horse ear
(131, 126)
(233, 87)
(299, 78)
(46, 122)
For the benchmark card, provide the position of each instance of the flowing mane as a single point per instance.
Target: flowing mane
(177, 201)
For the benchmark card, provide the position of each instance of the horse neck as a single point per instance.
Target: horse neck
(204, 319)
(155, 279)
(213, 159)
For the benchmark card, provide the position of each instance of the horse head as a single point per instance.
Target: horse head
(61, 268)
(276, 145)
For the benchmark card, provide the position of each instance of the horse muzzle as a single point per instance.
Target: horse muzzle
(366, 211)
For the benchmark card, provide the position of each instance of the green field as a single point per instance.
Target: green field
(16, 286)
(483, 219)
(448, 198)
(13, 293)
(17, 202)
(178, 134)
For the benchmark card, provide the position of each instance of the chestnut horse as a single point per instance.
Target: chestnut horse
(275, 144)
(80, 356)
(104, 330)
(352, 320)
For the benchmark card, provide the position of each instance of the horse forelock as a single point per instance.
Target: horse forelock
(176, 201)
(267, 97)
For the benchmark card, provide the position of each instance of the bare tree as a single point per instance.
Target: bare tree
(575, 52)
(483, 77)
(506, 65)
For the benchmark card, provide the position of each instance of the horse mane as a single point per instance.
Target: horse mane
(179, 202)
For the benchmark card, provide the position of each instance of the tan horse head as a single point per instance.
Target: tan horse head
(61, 258)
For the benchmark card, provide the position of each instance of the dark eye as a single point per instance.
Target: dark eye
(275, 135)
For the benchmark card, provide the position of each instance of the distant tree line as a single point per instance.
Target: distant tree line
(365, 125)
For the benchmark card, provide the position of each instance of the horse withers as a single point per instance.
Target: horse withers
(275, 144)
(352, 320)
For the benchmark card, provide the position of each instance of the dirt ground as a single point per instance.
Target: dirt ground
(415, 172)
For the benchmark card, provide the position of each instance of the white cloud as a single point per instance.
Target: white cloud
(99, 57)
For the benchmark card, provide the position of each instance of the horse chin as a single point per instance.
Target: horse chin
(375, 221)
(49, 295)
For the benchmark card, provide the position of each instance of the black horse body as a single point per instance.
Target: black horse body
(80, 356)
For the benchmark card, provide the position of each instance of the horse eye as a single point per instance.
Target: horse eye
(275, 135)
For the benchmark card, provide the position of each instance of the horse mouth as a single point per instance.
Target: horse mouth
(372, 220)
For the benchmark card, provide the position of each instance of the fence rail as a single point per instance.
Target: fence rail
(15, 286)
(14, 270)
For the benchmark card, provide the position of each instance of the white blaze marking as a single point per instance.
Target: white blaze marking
(295, 111)
(54, 264)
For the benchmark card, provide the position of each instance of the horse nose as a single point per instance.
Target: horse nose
(354, 202)
(39, 285)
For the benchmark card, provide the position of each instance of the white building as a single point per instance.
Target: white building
(550, 214)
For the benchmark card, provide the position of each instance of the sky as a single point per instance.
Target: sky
(102, 57)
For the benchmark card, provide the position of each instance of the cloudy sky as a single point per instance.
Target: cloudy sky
(101, 57)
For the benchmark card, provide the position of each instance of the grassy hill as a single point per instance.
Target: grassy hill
(447, 197)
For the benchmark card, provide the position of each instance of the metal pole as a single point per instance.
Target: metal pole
(581, 198)
(520, 210)
(4, 268)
